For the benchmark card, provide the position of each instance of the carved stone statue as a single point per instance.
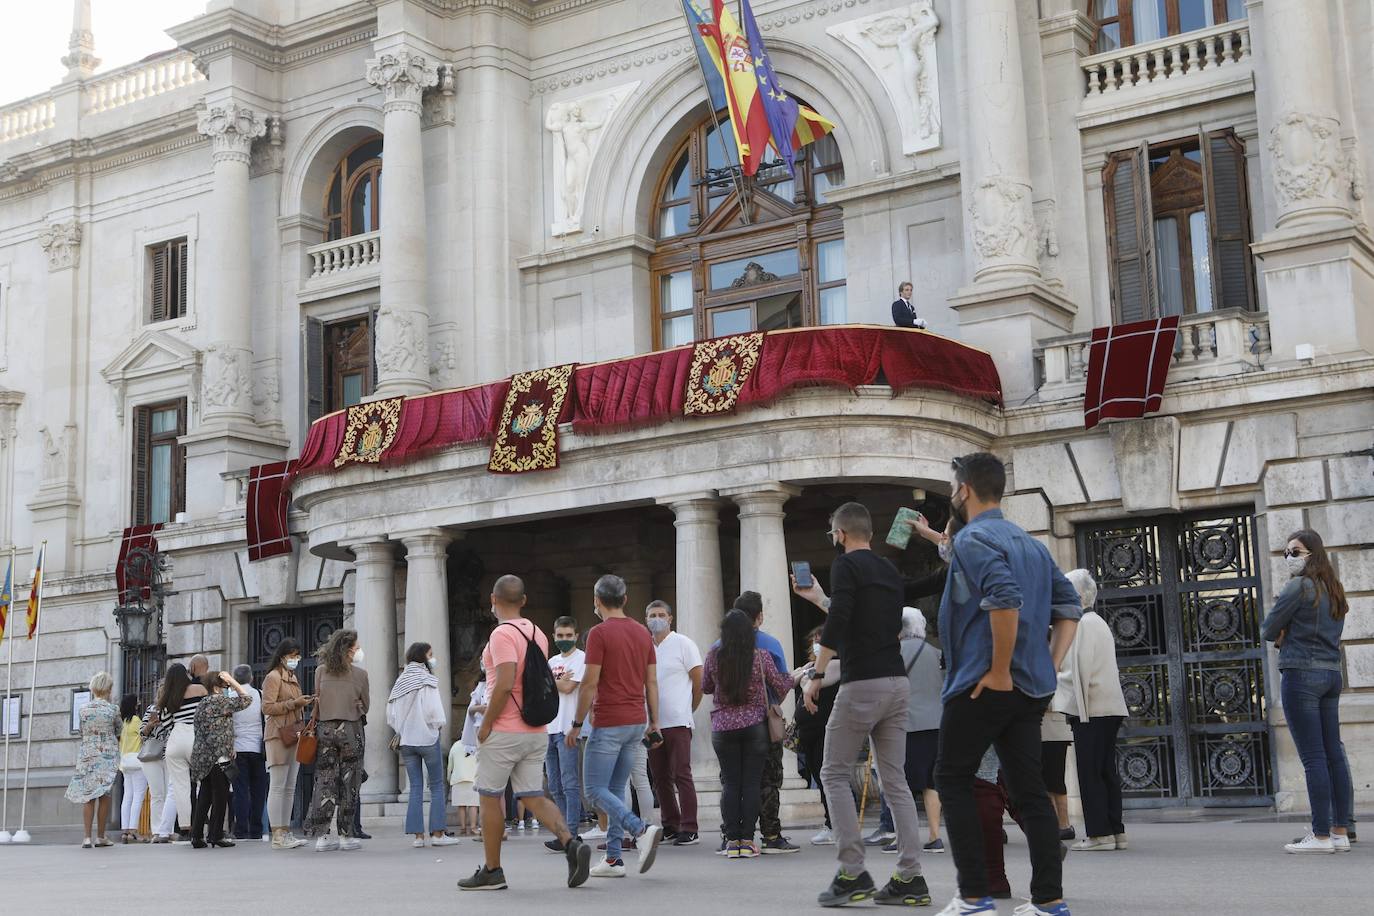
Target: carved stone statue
(400, 345)
(1002, 223)
(577, 126)
(1308, 162)
(228, 384)
(54, 461)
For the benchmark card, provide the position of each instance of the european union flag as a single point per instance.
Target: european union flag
(781, 109)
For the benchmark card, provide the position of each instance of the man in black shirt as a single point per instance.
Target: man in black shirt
(864, 623)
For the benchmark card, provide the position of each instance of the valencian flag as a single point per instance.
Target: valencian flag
(707, 53)
(34, 591)
(761, 114)
(6, 601)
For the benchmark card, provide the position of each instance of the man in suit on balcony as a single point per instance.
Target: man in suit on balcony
(903, 312)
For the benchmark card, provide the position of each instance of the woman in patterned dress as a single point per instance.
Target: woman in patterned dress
(212, 752)
(97, 762)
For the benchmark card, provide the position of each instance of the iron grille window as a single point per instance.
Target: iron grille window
(142, 669)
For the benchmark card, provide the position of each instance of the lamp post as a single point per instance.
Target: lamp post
(139, 615)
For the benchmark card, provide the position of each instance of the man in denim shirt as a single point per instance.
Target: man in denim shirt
(1003, 595)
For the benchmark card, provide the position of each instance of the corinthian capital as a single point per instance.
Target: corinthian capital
(403, 77)
(232, 128)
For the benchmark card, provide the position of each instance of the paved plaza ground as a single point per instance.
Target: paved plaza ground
(1225, 867)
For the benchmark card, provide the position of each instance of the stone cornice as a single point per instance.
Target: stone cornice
(276, 47)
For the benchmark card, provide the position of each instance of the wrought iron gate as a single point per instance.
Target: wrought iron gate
(310, 627)
(1182, 595)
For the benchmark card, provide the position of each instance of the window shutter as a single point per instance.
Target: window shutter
(139, 506)
(179, 307)
(314, 369)
(1130, 236)
(179, 460)
(158, 298)
(1228, 220)
(372, 352)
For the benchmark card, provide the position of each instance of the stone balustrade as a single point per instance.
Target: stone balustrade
(1135, 67)
(1209, 345)
(141, 80)
(351, 254)
(26, 117)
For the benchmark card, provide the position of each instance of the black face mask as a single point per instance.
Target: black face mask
(958, 509)
(839, 548)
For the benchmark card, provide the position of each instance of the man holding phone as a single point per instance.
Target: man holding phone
(621, 676)
(865, 622)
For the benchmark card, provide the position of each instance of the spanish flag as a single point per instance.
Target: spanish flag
(36, 592)
(6, 599)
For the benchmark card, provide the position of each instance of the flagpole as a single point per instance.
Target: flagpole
(22, 835)
(736, 180)
(5, 835)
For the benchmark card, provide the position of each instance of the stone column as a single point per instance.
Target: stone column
(403, 321)
(426, 617)
(700, 599)
(763, 555)
(374, 617)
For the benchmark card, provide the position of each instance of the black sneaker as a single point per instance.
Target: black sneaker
(724, 847)
(670, 835)
(778, 845)
(1067, 833)
(554, 845)
(896, 892)
(484, 879)
(846, 889)
(579, 862)
(684, 838)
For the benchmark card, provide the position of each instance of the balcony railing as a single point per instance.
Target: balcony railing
(356, 254)
(1209, 345)
(1161, 62)
(26, 117)
(142, 80)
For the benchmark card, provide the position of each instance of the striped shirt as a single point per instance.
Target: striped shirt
(186, 715)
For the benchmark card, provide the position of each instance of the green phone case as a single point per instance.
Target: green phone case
(899, 535)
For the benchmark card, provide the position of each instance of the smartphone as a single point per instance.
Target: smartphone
(899, 535)
(801, 571)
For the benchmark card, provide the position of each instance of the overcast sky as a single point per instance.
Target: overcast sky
(34, 37)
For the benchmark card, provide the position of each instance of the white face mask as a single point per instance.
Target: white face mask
(1296, 565)
(228, 691)
(431, 663)
(358, 657)
(657, 625)
(291, 663)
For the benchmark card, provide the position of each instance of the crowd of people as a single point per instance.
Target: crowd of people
(974, 721)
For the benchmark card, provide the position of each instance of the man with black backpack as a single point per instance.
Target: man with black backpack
(513, 738)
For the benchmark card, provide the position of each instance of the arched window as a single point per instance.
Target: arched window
(352, 202)
(1133, 22)
(716, 271)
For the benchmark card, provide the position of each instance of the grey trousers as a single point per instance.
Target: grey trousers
(875, 709)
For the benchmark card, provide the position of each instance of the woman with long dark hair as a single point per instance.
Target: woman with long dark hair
(734, 674)
(341, 691)
(131, 769)
(415, 712)
(1306, 623)
(177, 704)
(283, 710)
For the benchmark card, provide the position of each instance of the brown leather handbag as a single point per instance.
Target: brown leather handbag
(307, 745)
(290, 733)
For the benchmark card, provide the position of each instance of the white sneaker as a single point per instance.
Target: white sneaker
(1121, 842)
(1340, 843)
(1310, 844)
(596, 833)
(266, 837)
(1095, 844)
(961, 907)
(349, 843)
(291, 841)
(824, 838)
(604, 869)
(418, 842)
(647, 846)
(1030, 909)
(327, 843)
(443, 840)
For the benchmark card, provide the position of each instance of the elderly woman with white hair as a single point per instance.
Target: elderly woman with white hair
(97, 761)
(925, 679)
(1089, 694)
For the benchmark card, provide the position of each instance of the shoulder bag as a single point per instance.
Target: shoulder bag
(154, 747)
(777, 724)
(307, 744)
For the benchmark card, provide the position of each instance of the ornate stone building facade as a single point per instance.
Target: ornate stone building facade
(199, 256)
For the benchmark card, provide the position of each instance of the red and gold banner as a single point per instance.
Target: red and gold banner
(370, 430)
(527, 439)
(720, 368)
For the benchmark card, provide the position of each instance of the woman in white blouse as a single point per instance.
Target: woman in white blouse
(1089, 694)
(416, 714)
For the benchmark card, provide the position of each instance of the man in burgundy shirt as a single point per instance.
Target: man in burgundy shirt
(621, 676)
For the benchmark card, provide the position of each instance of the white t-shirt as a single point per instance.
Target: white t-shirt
(248, 724)
(575, 664)
(677, 656)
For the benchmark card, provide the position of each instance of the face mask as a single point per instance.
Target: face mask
(956, 506)
(291, 663)
(228, 691)
(816, 648)
(1295, 565)
(431, 664)
(358, 657)
(657, 625)
(946, 550)
(565, 645)
(839, 547)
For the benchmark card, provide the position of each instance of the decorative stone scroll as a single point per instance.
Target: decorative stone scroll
(228, 382)
(1003, 225)
(1308, 162)
(577, 126)
(899, 46)
(62, 242)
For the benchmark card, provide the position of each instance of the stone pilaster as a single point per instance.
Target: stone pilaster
(426, 616)
(763, 555)
(403, 321)
(374, 617)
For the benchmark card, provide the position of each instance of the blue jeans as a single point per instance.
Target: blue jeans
(1310, 702)
(606, 771)
(564, 784)
(418, 759)
(249, 795)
